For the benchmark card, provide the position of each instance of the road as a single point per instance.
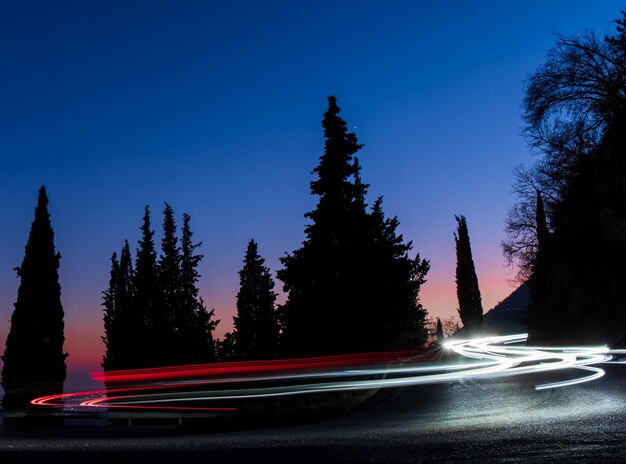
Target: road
(487, 420)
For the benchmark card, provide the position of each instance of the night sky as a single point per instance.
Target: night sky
(216, 109)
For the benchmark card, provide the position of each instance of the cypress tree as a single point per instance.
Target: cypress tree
(468, 293)
(34, 360)
(440, 337)
(170, 325)
(351, 285)
(122, 323)
(537, 310)
(111, 336)
(153, 313)
(256, 326)
(148, 303)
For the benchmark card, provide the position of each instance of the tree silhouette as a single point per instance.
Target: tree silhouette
(153, 315)
(34, 361)
(123, 325)
(570, 103)
(226, 347)
(439, 335)
(256, 328)
(197, 322)
(575, 113)
(468, 293)
(388, 287)
(351, 286)
(171, 323)
(537, 315)
(147, 302)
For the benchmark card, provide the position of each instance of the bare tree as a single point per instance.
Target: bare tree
(570, 101)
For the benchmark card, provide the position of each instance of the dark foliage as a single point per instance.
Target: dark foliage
(153, 314)
(34, 361)
(468, 293)
(537, 283)
(198, 321)
(352, 286)
(226, 347)
(146, 303)
(439, 335)
(570, 102)
(169, 322)
(123, 327)
(256, 332)
(577, 283)
(578, 293)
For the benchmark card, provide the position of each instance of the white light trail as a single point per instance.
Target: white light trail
(491, 357)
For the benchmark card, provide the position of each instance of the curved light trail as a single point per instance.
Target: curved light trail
(222, 385)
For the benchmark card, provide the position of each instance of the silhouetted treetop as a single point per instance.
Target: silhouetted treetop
(570, 102)
(34, 347)
(468, 292)
(153, 313)
(335, 168)
(575, 111)
(256, 333)
(352, 286)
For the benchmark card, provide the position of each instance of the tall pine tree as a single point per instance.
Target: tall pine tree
(256, 326)
(352, 286)
(468, 293)
(34, 360)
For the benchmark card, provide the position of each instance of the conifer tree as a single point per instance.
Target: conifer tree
(34, 360)
(439, 335)
(389, 290)
(537, 311)
(147, 302)
(153, 314)
(122, 323)
(226, 347)
(170, 324)
(199, 322)
(256, 325)
(317, 313)
(468, 293)
(352, 286)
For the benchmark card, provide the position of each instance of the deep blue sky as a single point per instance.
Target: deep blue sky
(216, 108)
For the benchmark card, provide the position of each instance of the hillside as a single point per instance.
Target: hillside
(510, 315)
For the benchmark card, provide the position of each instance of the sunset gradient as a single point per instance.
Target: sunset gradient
(216, 109)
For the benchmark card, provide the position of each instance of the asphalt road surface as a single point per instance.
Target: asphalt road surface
(500, 420)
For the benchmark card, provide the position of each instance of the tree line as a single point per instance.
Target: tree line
(153, 315)
(352, 286)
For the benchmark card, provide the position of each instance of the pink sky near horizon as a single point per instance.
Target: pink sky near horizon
(84, 326)
(114, 106)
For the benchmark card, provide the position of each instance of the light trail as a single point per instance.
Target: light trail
(188, 388)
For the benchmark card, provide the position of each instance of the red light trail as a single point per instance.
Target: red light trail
(188, 388)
